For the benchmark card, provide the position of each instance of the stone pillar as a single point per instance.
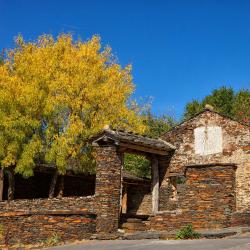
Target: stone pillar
(108, 188)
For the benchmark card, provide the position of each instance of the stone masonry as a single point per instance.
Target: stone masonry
(204, 176)
(206, 200)
(235, 150)
(206, 180)
(33, 221)
(108, 188)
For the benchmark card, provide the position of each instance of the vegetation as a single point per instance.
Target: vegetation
(137, 165)
(225, 101)
(55, 94)
(187, 232)
(1, 233)
(155, 127)
(53, 240)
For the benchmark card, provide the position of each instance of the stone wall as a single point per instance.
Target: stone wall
(65, 203)
(32, 221)
(108, 188)
(139, 199)
(207, 200)
(166, 201)
(34, 228)
(241, 219)
(210, 195)
(235, 150)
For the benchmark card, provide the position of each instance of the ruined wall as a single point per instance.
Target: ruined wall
(207, 200)
(235, 140)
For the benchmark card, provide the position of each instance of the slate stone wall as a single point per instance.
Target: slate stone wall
(235, 149)
(139, 199)
(207, 200)
(66, 203)
(32, 221)
(34, 228)
(108, 188)
(241, 219)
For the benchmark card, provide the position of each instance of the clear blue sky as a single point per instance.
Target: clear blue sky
(179, 50)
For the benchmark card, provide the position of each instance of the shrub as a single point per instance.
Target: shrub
(187, 232)
(53, 240)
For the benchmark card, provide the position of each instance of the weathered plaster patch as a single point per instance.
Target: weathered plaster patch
(208, 140)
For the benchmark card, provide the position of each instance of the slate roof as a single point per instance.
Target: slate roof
(121, 136)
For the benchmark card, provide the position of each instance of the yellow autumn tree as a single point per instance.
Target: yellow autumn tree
(54, 95)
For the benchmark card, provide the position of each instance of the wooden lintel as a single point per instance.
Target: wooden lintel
(140, 148)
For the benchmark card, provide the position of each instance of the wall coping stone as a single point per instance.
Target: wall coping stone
(202, 165)
(47, 212)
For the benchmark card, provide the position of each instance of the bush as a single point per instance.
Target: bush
(53, 240)
(187, 233)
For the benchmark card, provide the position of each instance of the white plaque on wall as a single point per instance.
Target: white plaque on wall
(208, 140)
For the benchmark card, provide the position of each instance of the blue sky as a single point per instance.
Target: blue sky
(179, 50)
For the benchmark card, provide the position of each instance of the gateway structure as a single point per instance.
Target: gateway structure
(200, 175)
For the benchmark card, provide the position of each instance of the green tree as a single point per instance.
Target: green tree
(137, 165)
(156, 126)
(225, 101)
(192, 108)
(222, 100)
(241, 106)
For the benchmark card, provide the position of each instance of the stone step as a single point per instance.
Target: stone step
(134, 220)
(133, 225)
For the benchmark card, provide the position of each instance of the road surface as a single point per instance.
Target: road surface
(204, 244)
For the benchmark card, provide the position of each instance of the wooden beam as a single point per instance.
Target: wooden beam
(121, 185)
(143, 149)
(155, 185)
(124, 199)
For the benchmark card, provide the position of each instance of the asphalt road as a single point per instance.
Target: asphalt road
(204, 244)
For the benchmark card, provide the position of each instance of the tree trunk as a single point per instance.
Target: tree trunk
(11, 188)
(61, 187)
(1, 184)
(53, 185)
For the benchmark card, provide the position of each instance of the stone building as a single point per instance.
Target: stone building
(207, 180)
(200, 175)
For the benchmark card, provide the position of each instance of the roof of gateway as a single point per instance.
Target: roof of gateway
(121, 137)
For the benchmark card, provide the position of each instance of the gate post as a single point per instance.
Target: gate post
(108, 188)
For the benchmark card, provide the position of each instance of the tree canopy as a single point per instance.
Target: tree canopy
(155, 127)
(55, 94)
(225, 101)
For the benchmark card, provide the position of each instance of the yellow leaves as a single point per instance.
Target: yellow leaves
(26, 162)
(11, 152)
(55, 94)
